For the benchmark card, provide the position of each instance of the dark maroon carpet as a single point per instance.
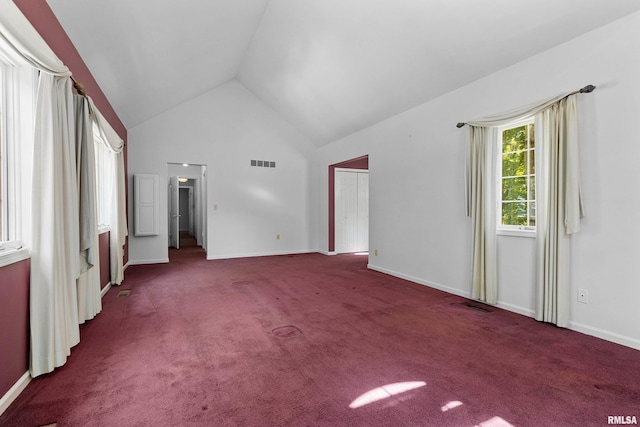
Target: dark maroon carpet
(311, 340)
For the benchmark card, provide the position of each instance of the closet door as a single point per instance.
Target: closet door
(351, 211)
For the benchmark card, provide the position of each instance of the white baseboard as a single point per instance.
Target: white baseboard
(516, 309)
(124, 267)
(434, 285)
(14, 392)
(605, 335)
(257, 254)
(104, 290)
(148, 261)
(329, 253)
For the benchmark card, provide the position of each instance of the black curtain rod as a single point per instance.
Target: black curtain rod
(586, 89)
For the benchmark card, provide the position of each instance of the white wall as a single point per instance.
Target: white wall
(224, 129)
(416, 162)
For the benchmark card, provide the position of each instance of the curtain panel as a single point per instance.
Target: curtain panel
(481, 207)
(110, 155)
(88, 284)
(559, 208)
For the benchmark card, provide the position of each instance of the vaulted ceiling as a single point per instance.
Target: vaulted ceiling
(329, 67)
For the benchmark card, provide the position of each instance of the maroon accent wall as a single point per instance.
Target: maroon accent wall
(45, 22)
(14, 323)
(357, 163)
(103, 247)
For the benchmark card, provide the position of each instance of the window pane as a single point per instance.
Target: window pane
(532, 213)
(514, 188)
(514, 213)
(532, 162)
(532, 189)
(513, 164)
(532, 136)
(514, 139)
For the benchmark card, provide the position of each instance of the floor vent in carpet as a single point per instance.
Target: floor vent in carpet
(124, 293)
(476, 307)
(286, 331)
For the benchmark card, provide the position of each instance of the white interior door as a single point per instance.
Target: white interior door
(351, 211)
(174, 212)
(192, 208)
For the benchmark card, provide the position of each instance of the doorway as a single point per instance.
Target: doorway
(359, 164)
(351, 210)
(187, 219)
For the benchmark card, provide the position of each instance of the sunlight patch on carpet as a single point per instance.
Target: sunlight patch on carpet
(451, 405)
(384, 392)
(495, 422)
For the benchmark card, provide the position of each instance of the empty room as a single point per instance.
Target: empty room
(319, 213)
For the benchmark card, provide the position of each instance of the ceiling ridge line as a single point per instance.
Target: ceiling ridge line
(250, 43)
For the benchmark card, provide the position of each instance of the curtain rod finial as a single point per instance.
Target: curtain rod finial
(459, 125)
(587, 89)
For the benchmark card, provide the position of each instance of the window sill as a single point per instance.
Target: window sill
(11, 256)
(103, 229)
(517, 233)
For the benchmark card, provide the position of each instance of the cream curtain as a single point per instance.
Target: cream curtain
(559, 205)
(88, 284)
(558, 201)
(55, 248)
(481, 207)
(112, 191)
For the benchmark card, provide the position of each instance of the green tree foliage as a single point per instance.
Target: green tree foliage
(518, 176)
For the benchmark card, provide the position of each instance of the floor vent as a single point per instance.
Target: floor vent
(476, 306)
(288, 331)
(124, 293)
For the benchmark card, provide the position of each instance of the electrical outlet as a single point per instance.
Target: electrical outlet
(215, 207)
(277, 237)
(583, 296)
(375, 252)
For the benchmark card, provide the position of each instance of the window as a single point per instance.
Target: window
(17, 106)
(517, 179)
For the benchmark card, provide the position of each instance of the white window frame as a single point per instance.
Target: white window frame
(18, 86)
(501, 229)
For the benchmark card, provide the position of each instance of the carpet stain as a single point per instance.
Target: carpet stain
(288, 331)
(618, 390)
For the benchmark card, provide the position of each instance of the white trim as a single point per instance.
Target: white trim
(434, 285)
(125, 266)
(328, 253)
(148, 261)
(351, 170)
(14, 392)
(104, 290)
(605, 335)
(259, 254)
(12, 256)
(531, 234)
(516, 309)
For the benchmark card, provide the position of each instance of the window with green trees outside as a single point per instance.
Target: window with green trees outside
(518, 180)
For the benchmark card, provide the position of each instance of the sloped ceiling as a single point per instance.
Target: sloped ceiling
(329, 67)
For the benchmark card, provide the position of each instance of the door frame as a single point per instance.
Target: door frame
(361, 162)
